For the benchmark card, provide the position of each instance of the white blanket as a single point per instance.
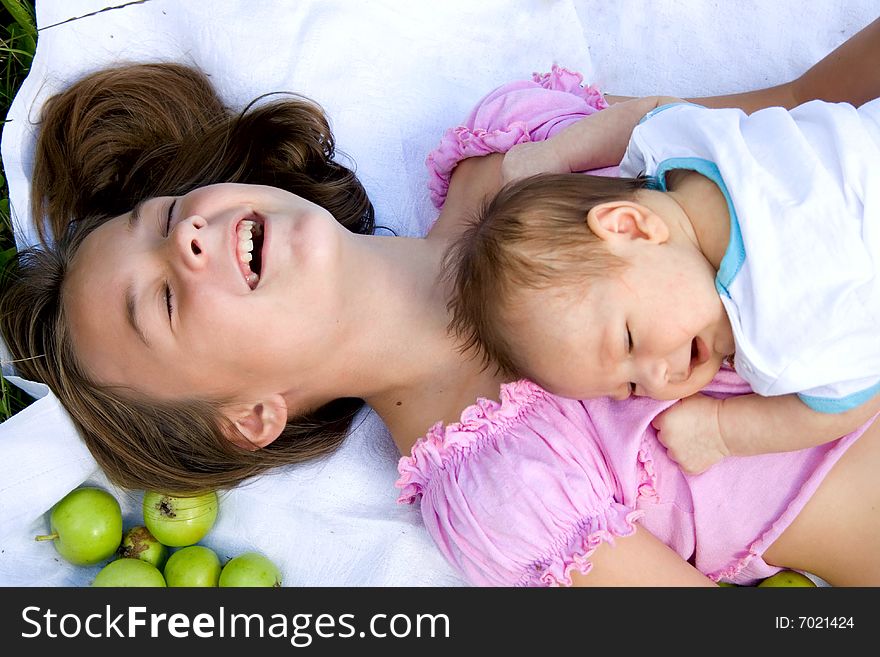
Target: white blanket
(392, 75)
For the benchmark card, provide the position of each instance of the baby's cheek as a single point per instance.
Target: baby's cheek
(703, 375)
(574, 387)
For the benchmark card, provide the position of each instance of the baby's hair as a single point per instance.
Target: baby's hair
(111, 140)
(532, 235)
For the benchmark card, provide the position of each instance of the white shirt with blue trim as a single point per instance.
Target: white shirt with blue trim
(800, 279)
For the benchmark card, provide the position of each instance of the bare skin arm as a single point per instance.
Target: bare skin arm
(597, 141)
(473, 180)
(847, 74)
(752, 424)
(699, 431)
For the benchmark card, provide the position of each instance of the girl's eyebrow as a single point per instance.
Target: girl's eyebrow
(130, 299)
(131, 314)
(135, 215)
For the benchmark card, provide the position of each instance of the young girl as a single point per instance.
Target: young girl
(223, 368)
(748, 239)
(96, 158)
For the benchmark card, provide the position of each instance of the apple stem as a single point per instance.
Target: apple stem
(47, 537)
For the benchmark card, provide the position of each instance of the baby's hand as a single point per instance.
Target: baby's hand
(691, 432)
(530, 158)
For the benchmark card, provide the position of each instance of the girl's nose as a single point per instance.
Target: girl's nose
(188, 241)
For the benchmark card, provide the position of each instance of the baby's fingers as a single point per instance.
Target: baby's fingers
(689, 462)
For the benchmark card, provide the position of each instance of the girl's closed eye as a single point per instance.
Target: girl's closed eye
(169, 301)
(169, 295)
(168, 218)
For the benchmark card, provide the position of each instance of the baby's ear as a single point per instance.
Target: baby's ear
(258, 423)
(625, 220)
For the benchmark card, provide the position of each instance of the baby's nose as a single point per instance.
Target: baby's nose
(657, 373)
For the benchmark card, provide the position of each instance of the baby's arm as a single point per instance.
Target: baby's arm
(752, 424)
(597, 141)
(699, 430)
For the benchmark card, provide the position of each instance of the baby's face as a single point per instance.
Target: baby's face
(656, 328)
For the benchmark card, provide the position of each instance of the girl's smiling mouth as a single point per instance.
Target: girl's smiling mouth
(249, 249)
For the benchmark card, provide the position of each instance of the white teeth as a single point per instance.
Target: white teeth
(246, 231)
(245, 241)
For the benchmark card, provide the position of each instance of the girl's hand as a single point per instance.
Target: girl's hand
(531, 158)
(691, 432)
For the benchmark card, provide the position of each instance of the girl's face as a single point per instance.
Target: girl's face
(226, 293)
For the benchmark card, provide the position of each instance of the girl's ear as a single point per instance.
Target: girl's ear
(258, 423)
(625, 220)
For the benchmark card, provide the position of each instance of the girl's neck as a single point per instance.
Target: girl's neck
(400, 357)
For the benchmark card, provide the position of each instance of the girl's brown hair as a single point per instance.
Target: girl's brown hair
(532, 235)
(109, 141)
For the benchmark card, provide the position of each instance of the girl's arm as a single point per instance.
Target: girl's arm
(640, 559)
(699, 431)
(848, 74)
(473, 180)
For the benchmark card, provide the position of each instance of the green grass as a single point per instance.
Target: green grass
(18, 41)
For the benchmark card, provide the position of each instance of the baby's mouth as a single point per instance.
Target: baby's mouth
(249, 250)
(699, 353)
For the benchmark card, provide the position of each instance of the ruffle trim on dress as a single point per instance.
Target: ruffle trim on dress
(561, 79)
(647, 486)
(575, 550)
(443, 445)
(733, 572)
(462, 142)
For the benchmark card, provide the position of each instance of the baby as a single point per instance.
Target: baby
(751, 241)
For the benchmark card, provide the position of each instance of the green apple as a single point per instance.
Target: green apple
(250, 569)
(129, 572)
(179, 521)
(787, 578)
(86, 526)
(139, 543)
(728, 584)
(195, 565)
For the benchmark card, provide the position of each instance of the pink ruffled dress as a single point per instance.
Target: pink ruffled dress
(520, 492)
